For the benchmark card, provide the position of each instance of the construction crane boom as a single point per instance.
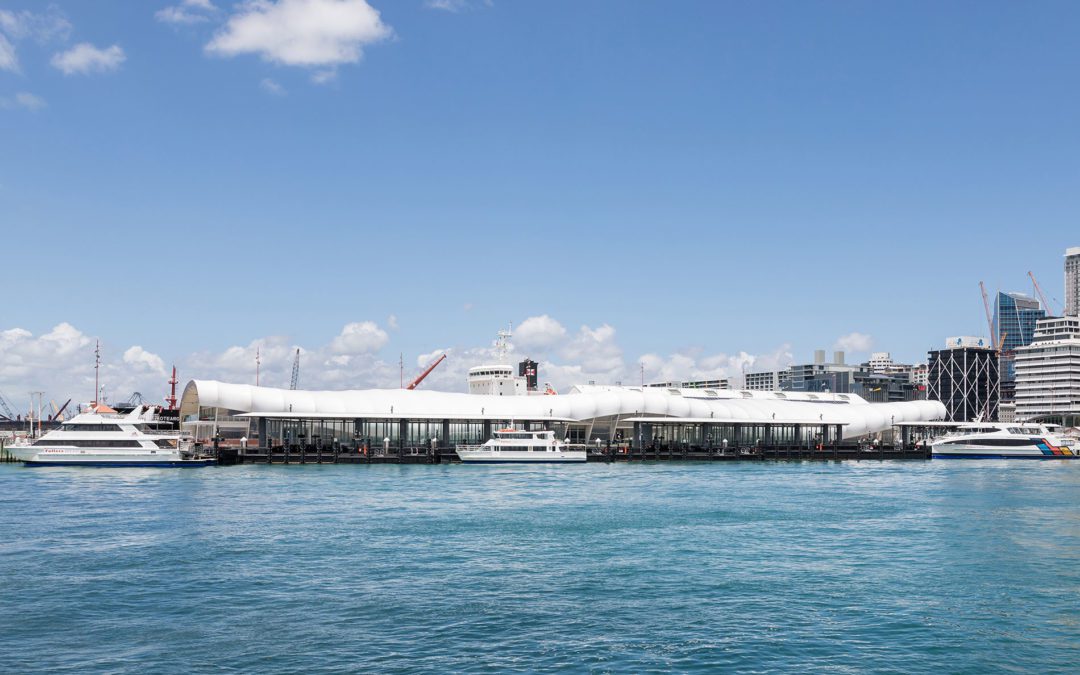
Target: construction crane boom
(294, 381)
(989, 315)
(427, 371)
(58, 413)
(4, 406)
(1039, 292)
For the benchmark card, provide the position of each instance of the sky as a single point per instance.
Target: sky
(688, 187)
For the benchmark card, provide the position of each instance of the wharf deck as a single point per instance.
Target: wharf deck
(448, 455)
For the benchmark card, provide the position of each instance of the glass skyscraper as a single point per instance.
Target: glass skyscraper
(1015, 315)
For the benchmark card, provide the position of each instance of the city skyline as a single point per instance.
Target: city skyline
(753, 192)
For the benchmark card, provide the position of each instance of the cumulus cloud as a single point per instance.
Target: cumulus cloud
(24, 100)
(307, 33)
(392, 322)
(84, 58)
(140, 358)
(360, 338)
(854, 342)
(595, 349)
(186, 13)
(539, 332)
(61, 362)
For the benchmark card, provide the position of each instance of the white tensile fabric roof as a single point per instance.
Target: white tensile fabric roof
(584, 403)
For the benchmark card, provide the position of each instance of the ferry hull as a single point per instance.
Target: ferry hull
(519, 457)
(172, 464)
(1037, 449)
(34, 456)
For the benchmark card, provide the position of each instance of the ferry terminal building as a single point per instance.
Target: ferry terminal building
(604, 416)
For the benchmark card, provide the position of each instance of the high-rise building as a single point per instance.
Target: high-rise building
(1015, 315)
(1072, 281)
(1048, 373)
(964, 377)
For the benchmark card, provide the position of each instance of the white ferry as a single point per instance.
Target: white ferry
(522, 447)
(103, 437)
(999, 440)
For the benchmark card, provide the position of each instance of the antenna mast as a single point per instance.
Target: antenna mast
(171, 400)
(97, 371)
(502, 343)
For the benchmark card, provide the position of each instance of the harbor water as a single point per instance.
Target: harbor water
(961, 567)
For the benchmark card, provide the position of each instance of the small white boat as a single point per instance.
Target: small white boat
(103, 437)
(521, 447)
(1001, 440)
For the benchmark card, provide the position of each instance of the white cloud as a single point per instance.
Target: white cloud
(272, 87)
(308, 33)
(41, 27)
(854, 342)
(187, 12)
(61, 362)
(29, 101)
(454, 5)
(392, 322)
(595, 350)
(360, 338)
(324, 76)
(140, 358)
(8, 60)
(539, 332)
(85, 58)
(23, 99)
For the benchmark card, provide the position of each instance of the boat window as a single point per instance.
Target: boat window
(90, 427)
(91, 444)
(779, 395)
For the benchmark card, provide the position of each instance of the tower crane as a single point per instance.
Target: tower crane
(1039, 292)
(990, 318)
(294, 381)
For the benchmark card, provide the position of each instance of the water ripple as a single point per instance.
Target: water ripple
(754, 567)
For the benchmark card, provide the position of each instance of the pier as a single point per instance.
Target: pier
(443, 455)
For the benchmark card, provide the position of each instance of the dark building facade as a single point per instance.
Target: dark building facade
(965, 378)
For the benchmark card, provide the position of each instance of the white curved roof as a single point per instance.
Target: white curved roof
(583, 404)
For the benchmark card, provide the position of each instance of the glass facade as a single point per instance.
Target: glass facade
(1015, 315)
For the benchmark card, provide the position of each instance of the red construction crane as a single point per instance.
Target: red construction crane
(1039, 291)
(427, 371)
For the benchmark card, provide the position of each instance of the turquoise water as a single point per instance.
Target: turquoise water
(964, 566)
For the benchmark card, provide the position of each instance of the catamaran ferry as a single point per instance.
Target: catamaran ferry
(522, 447)
(103, 437)
(999, 440)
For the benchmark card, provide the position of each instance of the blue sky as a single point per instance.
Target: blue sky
(702, 178)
